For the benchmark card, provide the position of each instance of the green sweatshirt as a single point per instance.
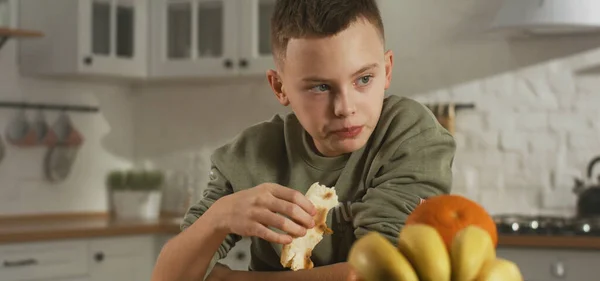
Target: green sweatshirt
(408, 158)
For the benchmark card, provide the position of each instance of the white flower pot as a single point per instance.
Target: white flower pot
(130, 204)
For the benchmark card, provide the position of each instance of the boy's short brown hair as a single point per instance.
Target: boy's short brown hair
(318, 18)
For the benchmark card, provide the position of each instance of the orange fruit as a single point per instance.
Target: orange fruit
(451, 213)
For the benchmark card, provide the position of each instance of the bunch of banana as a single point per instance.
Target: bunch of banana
(422, 255)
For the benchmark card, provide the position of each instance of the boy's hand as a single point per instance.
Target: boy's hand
(252, 211)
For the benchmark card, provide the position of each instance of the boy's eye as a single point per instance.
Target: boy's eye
(364, 80)
(321, 88)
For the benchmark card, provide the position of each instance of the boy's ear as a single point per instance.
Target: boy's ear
(389, 65)
(277, 87)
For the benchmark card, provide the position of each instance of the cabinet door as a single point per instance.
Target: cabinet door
(122, 258)
(196, 38)
(120, 268)
(255, 34)
(112, 37)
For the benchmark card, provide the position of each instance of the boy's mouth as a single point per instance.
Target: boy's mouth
(349, 132)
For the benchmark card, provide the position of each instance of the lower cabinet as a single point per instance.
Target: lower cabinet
(554, 264)
(128, 258)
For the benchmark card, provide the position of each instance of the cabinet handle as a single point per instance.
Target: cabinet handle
(243, 63)
(25, 262)
(88, 60)
(228, 63)
(99, 257)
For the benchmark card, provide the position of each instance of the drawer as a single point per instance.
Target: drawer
(554, 264)
(123, 246)
(43, 261)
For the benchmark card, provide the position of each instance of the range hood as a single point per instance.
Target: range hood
(548, 17)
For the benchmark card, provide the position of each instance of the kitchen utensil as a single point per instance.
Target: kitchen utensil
(19, 132)
(66, 133)
(59, 161)
(44, 134)
(588, 193)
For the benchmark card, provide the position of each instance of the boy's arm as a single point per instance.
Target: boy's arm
(199, 246)
(420, 167)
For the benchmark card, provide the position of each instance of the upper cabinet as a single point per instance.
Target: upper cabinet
(147, 39)
(96, 37)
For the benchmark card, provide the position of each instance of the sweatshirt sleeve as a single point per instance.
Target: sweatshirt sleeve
(419, 168)
(218, 186)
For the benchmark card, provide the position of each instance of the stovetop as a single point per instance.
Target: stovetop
(547, 225)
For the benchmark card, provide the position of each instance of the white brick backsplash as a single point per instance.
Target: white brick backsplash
(470, 121)
(517, 201)
(533, 96)
(558, 198)
(489, 179)
(501, 120)
(569, 121)
(537, 161)
(588, 84)
(489, 159)
(467, 92)
(543, 142)
(584, 140)
(502, 85)
(513, 162)
(532, 121)
(484, 140)
(561, 81)
(528, 178)
(587, 102)
(511, 141)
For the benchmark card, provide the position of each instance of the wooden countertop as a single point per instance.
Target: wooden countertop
(72, 226)
(554, 242)
(88, 225)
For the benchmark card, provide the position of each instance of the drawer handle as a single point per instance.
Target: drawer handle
(99, 257)
(25, 262)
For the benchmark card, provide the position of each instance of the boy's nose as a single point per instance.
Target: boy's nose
(344, 104)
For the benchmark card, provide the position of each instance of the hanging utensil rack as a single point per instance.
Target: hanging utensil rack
(46, 106)
(7, 33)
(460, 106)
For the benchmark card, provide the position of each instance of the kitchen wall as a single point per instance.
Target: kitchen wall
(530, 130)
(108, 143)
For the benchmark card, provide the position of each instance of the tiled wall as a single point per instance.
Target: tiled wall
(532, 130)
(108, 143)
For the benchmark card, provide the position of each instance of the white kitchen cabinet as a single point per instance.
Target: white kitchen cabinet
(104, 38)
(210, 38)
(122, 259)
(554, 264)
(146, 39)
(255, 36)
(43, 261)
(130, 258)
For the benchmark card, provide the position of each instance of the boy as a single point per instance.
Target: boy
(384, 155)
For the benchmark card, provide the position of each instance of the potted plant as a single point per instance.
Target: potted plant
(136, 193)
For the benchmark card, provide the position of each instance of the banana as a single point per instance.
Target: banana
(374, 258)
(426, 251)
(471, 248)
(499, 270)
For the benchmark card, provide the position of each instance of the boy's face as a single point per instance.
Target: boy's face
(335, 86)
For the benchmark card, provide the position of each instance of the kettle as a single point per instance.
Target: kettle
(588, 193)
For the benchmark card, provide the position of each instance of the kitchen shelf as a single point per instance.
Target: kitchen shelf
(45, 106)
(7, 33)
